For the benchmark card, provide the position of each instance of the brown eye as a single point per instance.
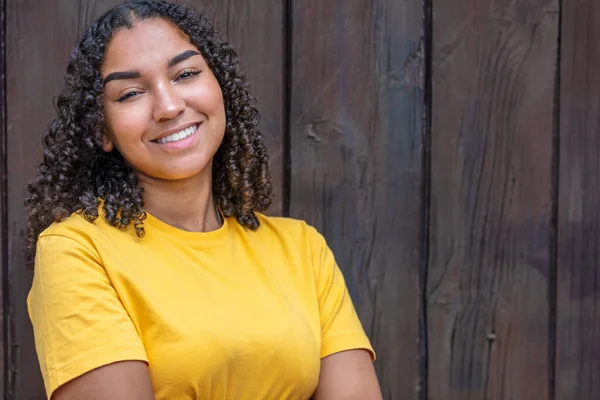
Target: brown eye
(127, 95)
(187, 75)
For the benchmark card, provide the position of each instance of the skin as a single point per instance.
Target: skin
(118, 381)
(348, 375)
(178, 184)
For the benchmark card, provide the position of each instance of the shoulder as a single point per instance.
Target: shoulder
(292, 229)
(284, 224)
(79, 229)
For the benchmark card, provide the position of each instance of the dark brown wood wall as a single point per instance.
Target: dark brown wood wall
(447, 149)
(490, 212)
(4, 288)
(578, 255)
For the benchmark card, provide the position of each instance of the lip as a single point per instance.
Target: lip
(175, 130)
(180, 145)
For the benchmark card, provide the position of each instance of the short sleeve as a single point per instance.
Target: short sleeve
(341, 328)
(79, 323)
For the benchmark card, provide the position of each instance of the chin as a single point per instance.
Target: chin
(167, 170)
(183, 174)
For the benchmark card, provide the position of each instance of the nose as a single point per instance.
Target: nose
(167, 103)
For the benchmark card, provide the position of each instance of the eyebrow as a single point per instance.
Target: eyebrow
(113, 76)
(182, 57)
(135, 74)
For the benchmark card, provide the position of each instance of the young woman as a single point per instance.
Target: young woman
(156, 274)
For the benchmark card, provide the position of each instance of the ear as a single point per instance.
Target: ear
(107, 144)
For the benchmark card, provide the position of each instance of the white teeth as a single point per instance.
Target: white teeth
(179, 135)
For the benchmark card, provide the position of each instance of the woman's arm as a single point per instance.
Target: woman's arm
(85, 339)
(125, 380)
(348, 375)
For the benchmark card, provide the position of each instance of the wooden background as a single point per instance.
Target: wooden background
(449, 150)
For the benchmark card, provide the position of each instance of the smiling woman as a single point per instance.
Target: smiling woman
(156, 273)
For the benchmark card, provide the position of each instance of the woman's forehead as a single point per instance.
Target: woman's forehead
(149, 41)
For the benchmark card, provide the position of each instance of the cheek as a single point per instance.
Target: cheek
(208, 98)
(126, 122)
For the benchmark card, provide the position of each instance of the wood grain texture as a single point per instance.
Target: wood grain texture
(4, 316)
(491, 152)
(356, 122)
(39, 41)
(578, 265)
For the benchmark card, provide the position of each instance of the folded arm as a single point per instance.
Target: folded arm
(348, 375)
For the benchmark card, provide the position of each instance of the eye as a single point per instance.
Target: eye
(128, 95)
(187, 75)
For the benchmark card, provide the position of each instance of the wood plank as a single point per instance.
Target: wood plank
(578, 266)
(36, 64)
(4, 316)
(356, 108)
(491, 185)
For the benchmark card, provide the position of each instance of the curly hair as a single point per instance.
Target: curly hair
(76, 172)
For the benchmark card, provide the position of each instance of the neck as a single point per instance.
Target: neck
(185, 204)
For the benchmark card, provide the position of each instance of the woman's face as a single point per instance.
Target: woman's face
(163, 106)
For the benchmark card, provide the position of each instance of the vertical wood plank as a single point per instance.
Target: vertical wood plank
(491, 151)
(39, 40)
(356, 122)
(3, 234)
(578, 266)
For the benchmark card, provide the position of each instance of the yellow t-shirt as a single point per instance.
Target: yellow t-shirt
(229, 314)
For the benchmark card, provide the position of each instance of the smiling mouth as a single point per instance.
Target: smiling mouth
(175, 137)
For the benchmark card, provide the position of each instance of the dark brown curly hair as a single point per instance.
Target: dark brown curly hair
(76, 172)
